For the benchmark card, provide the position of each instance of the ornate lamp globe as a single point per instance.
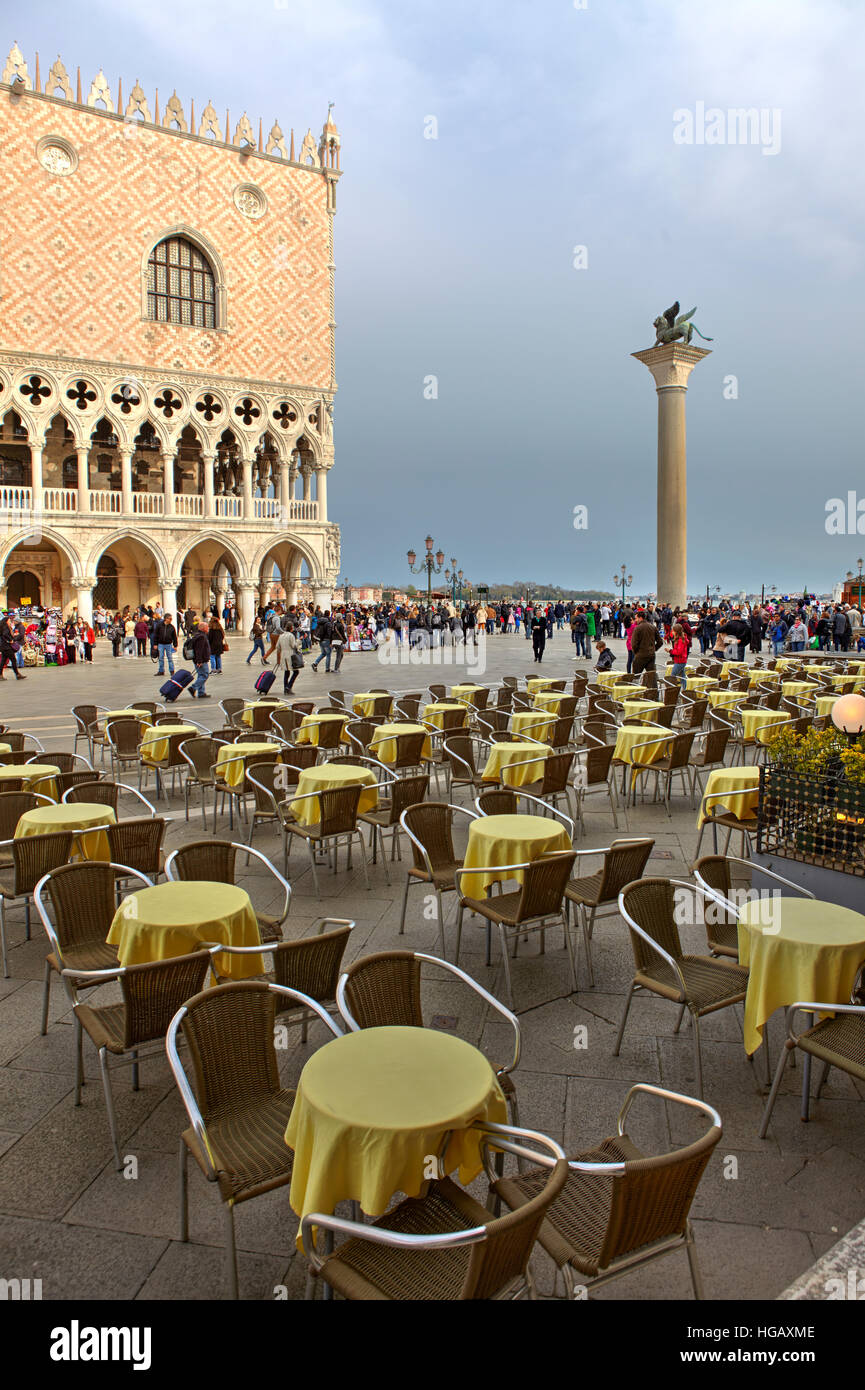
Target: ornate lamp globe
(848, 715)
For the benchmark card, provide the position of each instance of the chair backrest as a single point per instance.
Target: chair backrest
(505, 697)
(227, 734)
(714, 871)
(66, 781)
(338, 809)
(405, 792)
(624, 862)
(64, 762)
(201, 754)
(453, 720)
(35, 855)
(408, 706)
(438, 692)
(562, 731)
(232, 706)
(312, 965)
(230, 1035)
(409, 750)
(167, 717)
(543, 887)
(300, 755)
(597, 763)
(664, 716)
(459, 749)
(150, 705)
(568, 706)
(557, 768)
(671, 693)
(124, 735)
(154, 991)
(12, 808)
(101, 793)
(271, 780)
(772, 700)
(15, 741)
(302, 706)
(84, 715)
(329, 733)
(511, 681)
(498, 801)
(83, 901)
(432, 823)
(493, 721)
(261, 719)
(696, 713)
(679, 751)
(284, 721)
(205, 861)
(338, 697)
(137, 843)
(480, 698)
(360, 732)
(383, 990)
(18, 757)
(652, 904)
(381, 706)
(715, 744)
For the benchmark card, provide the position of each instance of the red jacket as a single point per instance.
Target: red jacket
(679, 650)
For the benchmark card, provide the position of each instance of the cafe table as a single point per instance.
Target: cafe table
(142, 715)
(173, 919)
(363, 702)
(604, 678)
(76, 816)
(498, 766)
(825, 705)
(641, 709)
(467, 692)
(743, 786)
(631, 738)
(736, 668)
(373, 1107)
(495, 841)
(848, 683)
(623, 689)
(248, 715)
(155, 741)
(547, 702)
(231, 759)
(434, 713)
(726, 699)
(761, 677)
(534, 723)
(383, 742)
(329, 777)
(536, 683)
(799, 688)
(699, 685)
(796, 949)
(32, 772)
(311, 723)
(756, 723)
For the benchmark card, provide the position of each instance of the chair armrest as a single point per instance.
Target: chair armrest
(816, 1008)
(488, 869)
(379, 1235)
(769, 873)
(650, 941)
(484, 994)
(674, 1096)
(286, 886)
(186, 1093)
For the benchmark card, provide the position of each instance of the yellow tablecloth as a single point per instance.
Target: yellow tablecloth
(847, 683)
(31, 772)
(155, 741)
(641, 709)
(498, 840)
(5, 748)
(251, 705)
(362, 702)
(310, 724)
(467, 692)
(231, 759)
(818, 668)
(172, 919)
(796, 948)
(689, 668)
(382, 744)
(737, 667)
(743, 784)
(327, 777)
(79, 815)
(698, 685)
(142, 715)
(606, 679)
(754, 722)
(631, 737)
(536, 683)
(624, 689)
(548, 703)
(497, 767)
(435, 712)
(788, 663)
(372, 1106)
(534, 723)
(825, 704)
(798, 688)
(726, 699)
(761, 677)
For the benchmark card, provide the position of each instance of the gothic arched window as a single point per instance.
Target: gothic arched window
(181, 287)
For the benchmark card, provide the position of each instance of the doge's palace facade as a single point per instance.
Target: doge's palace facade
(166, 349)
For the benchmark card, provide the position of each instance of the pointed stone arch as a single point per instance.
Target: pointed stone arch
(136, 536)
(219, 539)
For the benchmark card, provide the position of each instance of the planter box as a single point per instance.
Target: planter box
(814, 821)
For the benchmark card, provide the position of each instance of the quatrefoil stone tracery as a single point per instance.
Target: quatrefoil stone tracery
(247, 411)
(208, 406)
(36, 389)
(168, 403)
(284, 415)
(126, 398)
(82, 394)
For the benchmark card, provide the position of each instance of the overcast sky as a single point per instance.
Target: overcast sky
(455, 259)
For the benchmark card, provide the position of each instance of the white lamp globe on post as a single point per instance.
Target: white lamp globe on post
(848, 715)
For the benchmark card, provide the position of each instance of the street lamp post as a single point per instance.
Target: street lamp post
(451, 577)
(432, 565)
(625, 582)
(346, 592)
(850, 578)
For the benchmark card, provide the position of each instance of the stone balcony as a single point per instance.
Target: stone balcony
(19, 502)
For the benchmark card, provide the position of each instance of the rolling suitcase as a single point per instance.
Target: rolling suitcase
(176, 685)
(265, 681)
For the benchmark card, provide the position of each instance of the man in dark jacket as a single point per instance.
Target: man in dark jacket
(539, 634)
(738, 628)
(201, 657)
(323, 631)
(165, 638)
(645, 641)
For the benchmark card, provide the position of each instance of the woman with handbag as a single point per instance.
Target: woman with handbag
(256, 637)
(218, 644)
(9, 650)
(289, 657)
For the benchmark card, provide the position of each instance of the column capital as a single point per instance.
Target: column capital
(169, 581)
(671, 363)
(245, 584)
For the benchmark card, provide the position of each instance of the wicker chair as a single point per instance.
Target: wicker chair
(554, 781)
(693, 714)
(310, 965)
(103, 793)
(429, 827)
(713, 874)
(838, 1040)
(384, 990)
(239, 791)
(493, 721)
(624, 862)
(340, 700)
(18, 740)
(65, 762)
(32, 857)
(284, 721)
(215, 861)
(269, 783)
(702, 984)
(152, 995)
(232, 707)
(86, 717)
(408, 753)
(532, 908)
(138, 843)
(151, 706)
(13, 805)
(66, 781)
(300, 755)
(498, 801)
(359, 733)
(408, 706)
(710, 754)
(200, 754)
(237, 1123)
(19, 758)
(401, 793)
(83, 900)
(337, 810)
(593, 777)
(401, 1256)
(460, 755)
(620, 1208)
(676, 758)
(726, 820)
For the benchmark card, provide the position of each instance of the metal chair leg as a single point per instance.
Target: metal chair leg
(46, 996)
(698, 1054)
(109, 1105)
(231, 1251)
(79, 1060)
(184, 1192)
(696, 1277)
(505, 960)
(621, 1032)
(404, 905)
(773, 1094)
